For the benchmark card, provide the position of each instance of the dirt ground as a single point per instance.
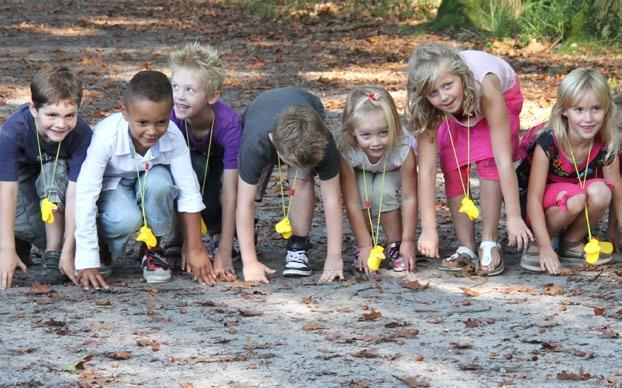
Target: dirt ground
(428, 328)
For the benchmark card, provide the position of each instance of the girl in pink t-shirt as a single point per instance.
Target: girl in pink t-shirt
(465, 108)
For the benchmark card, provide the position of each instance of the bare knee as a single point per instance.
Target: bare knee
(599, 195)
(576, 203)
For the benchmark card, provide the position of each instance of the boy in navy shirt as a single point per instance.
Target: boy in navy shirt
(42, 147)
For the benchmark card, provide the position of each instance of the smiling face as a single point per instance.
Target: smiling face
(447, 93)
(147, 120)
(372, 133)
(190, 97)
(55, 121)
(585, 117)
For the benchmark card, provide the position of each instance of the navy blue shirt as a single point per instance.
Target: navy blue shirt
(18, 146)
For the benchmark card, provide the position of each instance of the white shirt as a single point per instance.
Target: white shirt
(109, 159)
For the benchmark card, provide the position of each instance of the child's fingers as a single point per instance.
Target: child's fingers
(268, 270)
(22, 266)
(5, 282)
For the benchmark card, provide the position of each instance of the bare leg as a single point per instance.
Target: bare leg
(302, 207)
(54, 233)
(491, 198)
(392, 225)
(598, 199)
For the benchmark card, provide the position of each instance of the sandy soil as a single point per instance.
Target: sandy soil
(444, 330)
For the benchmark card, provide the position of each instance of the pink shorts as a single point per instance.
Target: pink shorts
(486, 169)
(552, 190)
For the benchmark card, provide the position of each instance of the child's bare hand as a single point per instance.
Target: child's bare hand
(256, 272)
(66, 267)
(8, 262)
(361, 260)
(407, 251)
(91, 277)
(198, 263)
(223, 267)
(333, 269)
(428, 243)
(519, 234)
(549, 261)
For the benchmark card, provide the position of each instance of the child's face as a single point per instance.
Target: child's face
(148, 121)
(55, 121)
(372, 134)
(189, 94)
(447, 94)
(585, 117)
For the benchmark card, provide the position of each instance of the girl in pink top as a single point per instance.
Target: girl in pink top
(465, 108)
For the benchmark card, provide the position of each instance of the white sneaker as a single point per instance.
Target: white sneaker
(297, 264)
(155, 267)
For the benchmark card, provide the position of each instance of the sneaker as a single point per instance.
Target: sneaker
(49, 271)
(297, 264)
(155, 267)
(393, 253)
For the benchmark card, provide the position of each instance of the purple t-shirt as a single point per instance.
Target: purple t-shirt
(18, 146)
(226, 136)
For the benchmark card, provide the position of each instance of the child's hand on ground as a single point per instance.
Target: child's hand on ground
(256, 272)
(223, 267)
(428, 243)
(361, 260)
(8, 262)
(333, 269)
(67, 268)
(407, 251)
(197, 263)
(91, 277)
(519, 234)
(549, 261)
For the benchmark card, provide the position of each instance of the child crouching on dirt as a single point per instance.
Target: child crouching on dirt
(573, 174)
(212, 130)
(379, 179)
(614, 230)
(137, 167)
(42, 147)
(286, 126)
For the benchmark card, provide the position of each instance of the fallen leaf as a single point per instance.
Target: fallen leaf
(471, 366)
(371, 316)
(345, 309)
(509, 290)
(414, 285)
(250, 313)
(598, 310)
(103, 303)
(470, 323)
(39, 289)
(309, 300)
(419, 357)
(72, 367)
(553, 289)
(391, 325)
(469, 292)
(309, 326)
(123, 355)
(366, 353)
(457, 345)
(566, 271)
(568, 376)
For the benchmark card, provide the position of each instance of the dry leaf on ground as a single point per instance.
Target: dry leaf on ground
(469, 292)
(371, 316)
(414, 285)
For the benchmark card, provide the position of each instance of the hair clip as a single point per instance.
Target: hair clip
(374, 96)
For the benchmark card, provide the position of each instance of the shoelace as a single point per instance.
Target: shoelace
(298, 256)
(155, 260)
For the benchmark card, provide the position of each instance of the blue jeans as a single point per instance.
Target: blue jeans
(120, 213)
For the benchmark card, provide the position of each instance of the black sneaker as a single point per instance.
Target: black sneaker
(49, 271)
(155, 267)
(297, 264)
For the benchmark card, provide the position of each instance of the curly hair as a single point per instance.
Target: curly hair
(203, 59)
(425, 65)
(369, 99)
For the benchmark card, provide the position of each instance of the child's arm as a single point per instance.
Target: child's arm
(612, 174)
(196, 260)
(331, 198)
(427, 154)
(408, 171)
(223, 265)
(356, 216)
(252, 270)
(495, 111)
(8, 257)
(68, 253)
(535, 194)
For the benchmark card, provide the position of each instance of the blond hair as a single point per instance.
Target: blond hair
(203, 59)
(369, 99)
(300, 136)
(573, 87)
(424, 66)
